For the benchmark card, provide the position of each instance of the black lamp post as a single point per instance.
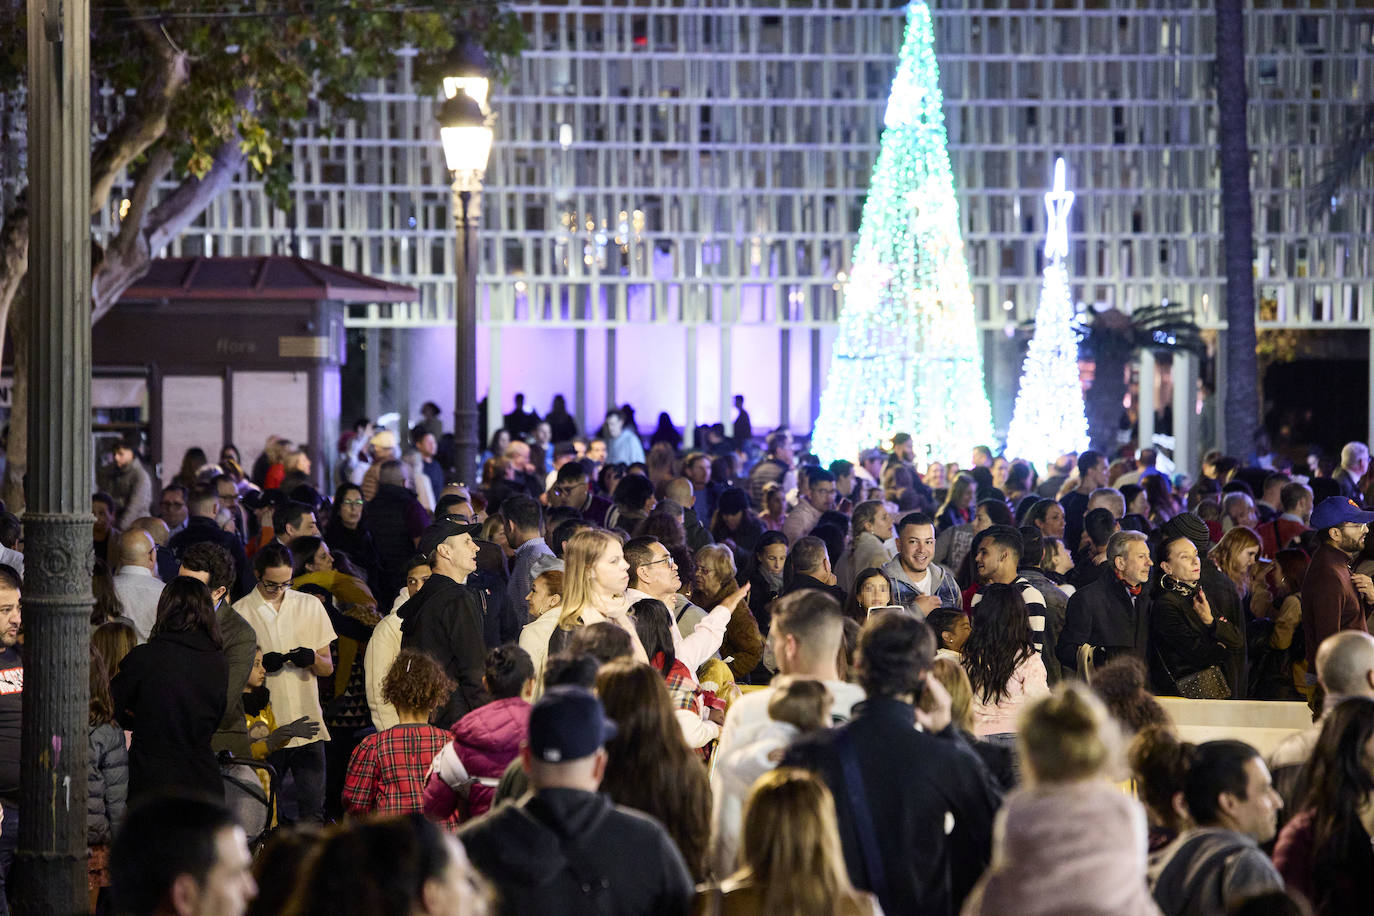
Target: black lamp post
(466, 133)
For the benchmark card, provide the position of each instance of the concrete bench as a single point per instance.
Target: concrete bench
(1237, 713)
(1261, 724)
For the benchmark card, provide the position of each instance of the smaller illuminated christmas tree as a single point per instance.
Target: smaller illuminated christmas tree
(1049, 419)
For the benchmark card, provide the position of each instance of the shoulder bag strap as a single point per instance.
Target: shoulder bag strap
(863, 815)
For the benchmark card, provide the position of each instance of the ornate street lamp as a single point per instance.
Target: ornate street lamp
(464, 127)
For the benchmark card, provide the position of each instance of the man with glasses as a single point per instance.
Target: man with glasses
(172, 507)
(229, 501)
(294, 632)
(572, 488)
(697, 635)
(817, 499)
(1333, 598)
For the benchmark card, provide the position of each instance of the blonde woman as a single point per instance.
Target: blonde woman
(1235, 555)
(595, 576)
(790, 858)
(1071, 841)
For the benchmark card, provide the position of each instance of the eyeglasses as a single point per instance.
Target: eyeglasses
(566, 490)
(170, 505)
(460, 519)
(273, 588)
(358, 503)
(668, 559)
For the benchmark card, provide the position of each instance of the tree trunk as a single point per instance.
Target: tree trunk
(1242, 373)
(17, 448)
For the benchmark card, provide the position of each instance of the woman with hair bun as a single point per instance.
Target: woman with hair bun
(1070, 841)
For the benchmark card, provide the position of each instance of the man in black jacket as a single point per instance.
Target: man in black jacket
(811, 569)
(566, 848)
(444, 618)
(203, 527)
(1110, 614)
(915, 806)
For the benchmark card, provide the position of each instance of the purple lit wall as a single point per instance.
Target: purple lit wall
(650, 366)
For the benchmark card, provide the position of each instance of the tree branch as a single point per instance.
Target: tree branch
(122, 268)
(145, 122)
(131, 223)
(14, 262)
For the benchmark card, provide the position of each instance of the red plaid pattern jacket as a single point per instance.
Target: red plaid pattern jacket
(386, 774)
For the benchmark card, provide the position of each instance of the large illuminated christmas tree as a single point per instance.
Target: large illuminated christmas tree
(907, 358)
(1049, 419)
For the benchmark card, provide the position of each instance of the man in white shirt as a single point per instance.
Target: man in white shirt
(805, 638)
(136, 585)
(294, 633)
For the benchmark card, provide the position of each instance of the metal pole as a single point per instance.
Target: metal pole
(1371, 387)
(1185, 419)
(49, 874)
(467, 209)
(1145, 400)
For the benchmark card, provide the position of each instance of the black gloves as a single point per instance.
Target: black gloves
(301, 657)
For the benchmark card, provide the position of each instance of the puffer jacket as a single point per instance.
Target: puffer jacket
(107, 783)
(486, 740)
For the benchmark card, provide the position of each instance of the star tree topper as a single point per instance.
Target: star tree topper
(1057, 204)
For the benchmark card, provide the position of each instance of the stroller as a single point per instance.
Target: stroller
(250, 791)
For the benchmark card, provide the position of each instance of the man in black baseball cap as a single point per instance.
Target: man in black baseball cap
(445, 617)
(1334, 598)
(566, 848)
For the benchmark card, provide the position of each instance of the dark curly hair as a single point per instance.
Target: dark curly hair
(1121, 685)
(416, 683)
(1159, 765)
(213, 560)
(1001, 640)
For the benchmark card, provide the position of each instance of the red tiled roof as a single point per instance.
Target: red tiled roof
(263, 277)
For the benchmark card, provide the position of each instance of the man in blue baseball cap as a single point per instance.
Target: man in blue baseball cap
(565, 848)
(1333, 598)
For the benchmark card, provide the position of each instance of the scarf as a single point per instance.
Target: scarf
(1135, 590)
(773, 579)
(255, 700)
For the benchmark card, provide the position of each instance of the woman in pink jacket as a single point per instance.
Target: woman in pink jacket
(485, 740)
(1005, 670)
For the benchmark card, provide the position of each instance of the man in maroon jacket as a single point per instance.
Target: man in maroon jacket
(1333, 598)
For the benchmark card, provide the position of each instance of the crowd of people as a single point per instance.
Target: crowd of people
(713, 677)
